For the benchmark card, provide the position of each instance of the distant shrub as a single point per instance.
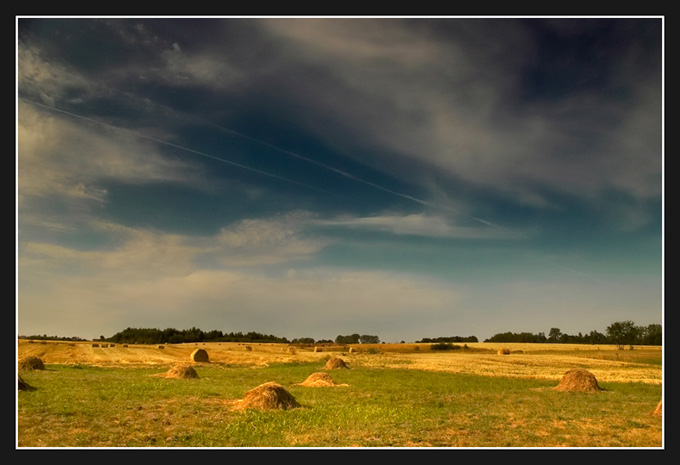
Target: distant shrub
(444, 346)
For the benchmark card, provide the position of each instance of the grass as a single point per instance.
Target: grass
(89, 406)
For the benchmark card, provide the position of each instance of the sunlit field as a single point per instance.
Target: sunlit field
(391, 395)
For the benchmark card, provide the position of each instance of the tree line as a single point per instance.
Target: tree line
(178, 336)
(621, 333)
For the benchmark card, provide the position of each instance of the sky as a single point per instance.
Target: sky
(405, 177)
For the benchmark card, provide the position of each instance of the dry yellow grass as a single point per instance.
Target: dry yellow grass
(544, 361)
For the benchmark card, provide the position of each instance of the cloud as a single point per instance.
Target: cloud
(62, 157)
(266, 241)
(253, 283)
(446, 96)
(420, 224)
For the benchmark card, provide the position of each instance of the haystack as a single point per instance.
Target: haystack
(320, 380)
(267, 396)
(578, 380)
(199, 355)
(180, 371)
(31, 363)
(503, 351)
(335, 363)
(658, 410)
(24, 386)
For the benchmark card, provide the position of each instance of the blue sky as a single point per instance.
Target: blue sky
(311, 177)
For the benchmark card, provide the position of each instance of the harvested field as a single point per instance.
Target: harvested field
(541, 361)
(394, 396)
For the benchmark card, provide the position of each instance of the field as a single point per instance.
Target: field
(392, 395)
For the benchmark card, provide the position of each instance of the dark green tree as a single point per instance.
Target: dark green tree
(554, 335)
(623, 333)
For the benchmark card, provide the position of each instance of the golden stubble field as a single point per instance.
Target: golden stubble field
(542, 361)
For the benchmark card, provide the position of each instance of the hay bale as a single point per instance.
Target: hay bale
(578, 380)
(503, 351)
(161, 347)
(317, 349)
(248, 348)
(658, 411)
(199, 355)
(335, 363)
(320, 380)
(31, 363)
(352, 350)
(267, 396)
(24, 386)
(181, 372)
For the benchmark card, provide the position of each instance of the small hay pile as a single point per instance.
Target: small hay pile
(579, 380)
(320, 380)
(335, 363)
(200, 355)
(31, 363)
(267, 396)
(180, 371)
(503, 351)
(24, 386)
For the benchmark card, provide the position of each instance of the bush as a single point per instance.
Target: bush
(444, 346)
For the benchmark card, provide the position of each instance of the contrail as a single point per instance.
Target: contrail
(265, 173)
(339, 171)
(170, 144)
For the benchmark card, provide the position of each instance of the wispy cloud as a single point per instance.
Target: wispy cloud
(421, 224)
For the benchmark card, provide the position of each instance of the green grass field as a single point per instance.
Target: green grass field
(78, 406)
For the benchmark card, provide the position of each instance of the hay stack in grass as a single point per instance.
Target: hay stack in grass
(658, 411)
(199, 355)
(24, 386)
(320, 380)
(267, 396)
(317, 349)
(31, 363)
(180, 371)
(578, 380)
(249, 348)
(503, 351)
(335, 363)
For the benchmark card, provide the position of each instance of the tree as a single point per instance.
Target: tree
(623, 333)
(369, 339)
(554, 334)
(651, 335)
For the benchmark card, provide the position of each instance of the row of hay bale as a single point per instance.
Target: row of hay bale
(270, 395)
